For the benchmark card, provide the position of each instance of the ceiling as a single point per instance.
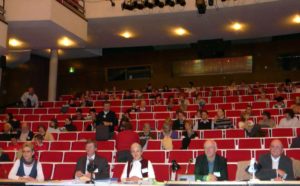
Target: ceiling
(262, 20)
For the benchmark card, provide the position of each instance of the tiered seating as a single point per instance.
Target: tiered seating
(232, 143)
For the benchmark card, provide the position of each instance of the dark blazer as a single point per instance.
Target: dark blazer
(109, 117)
(296, 142)
(101, 164)
(267, 173)
(29, 137)
(177, 125)
(201, 167)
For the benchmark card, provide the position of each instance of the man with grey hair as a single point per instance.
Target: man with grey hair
(275, 165)
(211, 166)
(138, 168)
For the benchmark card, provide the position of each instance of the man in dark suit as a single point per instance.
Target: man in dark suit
(107, 117)
(178, 124)
(211, 166)
(92, 163)
(275, 165)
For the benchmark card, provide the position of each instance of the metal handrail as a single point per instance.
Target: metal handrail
(77, 6)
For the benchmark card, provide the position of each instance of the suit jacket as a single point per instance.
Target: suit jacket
(109, 117)
(201, 167)
(296, 142)
(101, 164)
(267, 173)
(177, 125)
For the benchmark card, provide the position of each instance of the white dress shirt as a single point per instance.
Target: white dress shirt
(275, 162)
(87, 162)
(136, 170)
(289, 123)
(27, 169)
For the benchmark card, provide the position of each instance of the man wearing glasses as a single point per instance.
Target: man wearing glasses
(275, 165)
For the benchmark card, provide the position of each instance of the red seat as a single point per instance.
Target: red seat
(11, 155)
(32, 117)
(64, 171)
(247, 98)
(184, 166)
(160, 108)
(154, 145)
(40, 111)
(282, 132)
(73, 156)
(12, 110)
(226, 106)
(284, 141)
(234, 133)
(155, 156)
(249, 143)
(5, 169)
(47, 117)
(163, 115)
(106, 145)
(297, 131)
(182, 156)
(59, 103)
(51, 156)
(230, 99)
(238, 155)
(72, 136)
(216, 99)
(212, 134)
(86, 135)
(162, 172)
(259, 105)
(145, 115)
(54, 110)
(225, 143)
(36, 124)
(196, 144)
(117, 169)
(47, 104)
(209, 107)
(177, 144)
(293, 153)
(78, 145)
(240, 106)
(47, 170)
(231, 168)
(55, 145)
(233, 113)
(259, 152)
(26, 111)
(108, 155)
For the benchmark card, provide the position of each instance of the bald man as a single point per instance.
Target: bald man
(138, 168)
(211, 166)
(275, 165)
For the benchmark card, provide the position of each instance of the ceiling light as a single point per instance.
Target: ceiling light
(13, 42)
(126, 34)
(296, 19)
(236, 26)
(180, 31)
(201, 6)
(66, 42)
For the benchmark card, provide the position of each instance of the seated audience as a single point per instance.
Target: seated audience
(232, 87)
(108, 118)
(198, 115)
(204, 122)
(166, 88)
(146, 135)
(188, 134)
(296, 107)
(29, 98)
(3, 156)
(133, 107)
(245, 122)
(275, 165)
(143, 107)
(78, 115)
(289, 121)
(123, 121)
(68, 126)
(137, 168)
(71, 103)
(7, 134)
(127, 95)
(123, 142)
(279, 101)
(251, 129)
(263, 98)
(267, 121)
(200, 101)
(296, 142)
(13, 145)
(183, 102)
(47, 136)
(148, 87)
(248, 110)
(170, 103)
(15, 123)
(94, 120)
(220, 121)
(211, 166)
(27, 168)
(84, 164)
(158, 100)
(167, 135)
(24, 134)
(39, 144)
(178, 124)
(53, 126)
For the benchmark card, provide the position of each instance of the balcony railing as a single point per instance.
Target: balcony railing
(77, 6)
(2, 10)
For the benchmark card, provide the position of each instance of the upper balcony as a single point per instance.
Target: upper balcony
(43, 24)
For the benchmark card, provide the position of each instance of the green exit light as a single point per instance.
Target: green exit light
(71, 70)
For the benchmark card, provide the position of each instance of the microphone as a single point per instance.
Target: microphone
(253, 168)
